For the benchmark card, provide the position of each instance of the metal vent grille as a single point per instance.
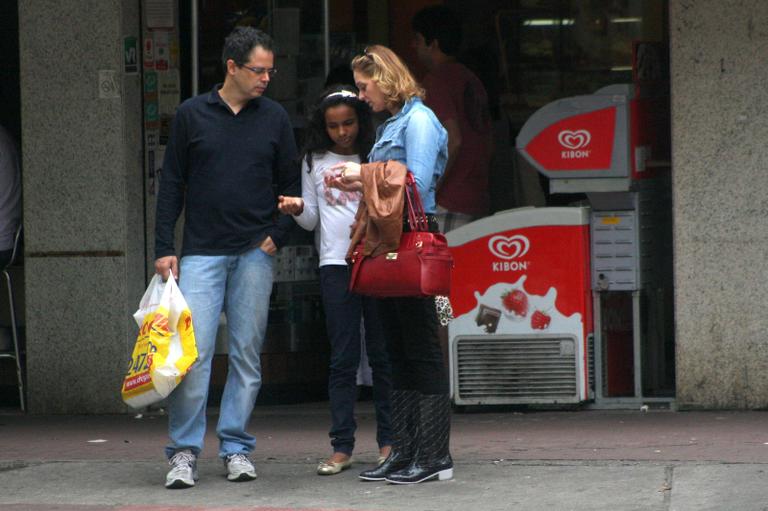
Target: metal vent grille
(515, 370)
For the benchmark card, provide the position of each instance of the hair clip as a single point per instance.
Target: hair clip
(342, 93)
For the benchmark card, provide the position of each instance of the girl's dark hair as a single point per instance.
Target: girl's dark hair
(317, 139)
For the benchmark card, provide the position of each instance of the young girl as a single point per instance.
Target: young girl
(341, 130)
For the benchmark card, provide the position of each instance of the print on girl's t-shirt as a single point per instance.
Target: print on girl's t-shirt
(336, 197)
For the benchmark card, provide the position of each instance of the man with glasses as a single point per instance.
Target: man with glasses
(230, 152)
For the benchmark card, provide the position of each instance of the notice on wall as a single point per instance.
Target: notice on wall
(169, 91)
(151, 116)
(169, 96)
(161, 50)
(109, 88)
(151, 139)
(151, 103)
(130, 55)
(149, 53)
(154, 167)
(159, 13)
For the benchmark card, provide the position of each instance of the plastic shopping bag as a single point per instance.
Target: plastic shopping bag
(165, 348)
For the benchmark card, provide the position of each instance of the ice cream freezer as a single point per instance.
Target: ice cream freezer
(522, 308)
(612, 146)
(568, 304)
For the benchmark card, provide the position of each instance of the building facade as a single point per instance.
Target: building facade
(85, 180)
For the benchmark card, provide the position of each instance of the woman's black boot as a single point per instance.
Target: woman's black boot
(432, 459)
(405, 431)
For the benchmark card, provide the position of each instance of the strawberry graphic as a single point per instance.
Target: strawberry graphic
(540, 320)
(516, 302)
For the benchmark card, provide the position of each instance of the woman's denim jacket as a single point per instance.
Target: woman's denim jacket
(415, 138)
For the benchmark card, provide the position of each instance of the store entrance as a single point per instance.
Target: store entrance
(526, 53)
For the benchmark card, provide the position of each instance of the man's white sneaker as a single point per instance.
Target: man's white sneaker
(184, 471)
(239, 468)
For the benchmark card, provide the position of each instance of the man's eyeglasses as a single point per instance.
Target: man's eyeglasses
(271, 71)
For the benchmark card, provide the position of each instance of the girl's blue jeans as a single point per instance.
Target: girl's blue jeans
(344, 312)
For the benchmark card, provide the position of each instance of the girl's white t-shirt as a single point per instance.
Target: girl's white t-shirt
(334, 209)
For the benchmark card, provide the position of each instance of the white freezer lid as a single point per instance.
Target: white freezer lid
(518, 218)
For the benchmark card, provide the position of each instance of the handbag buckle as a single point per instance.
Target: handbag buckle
(391, 256)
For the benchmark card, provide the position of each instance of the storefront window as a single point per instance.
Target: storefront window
(298, 29)
(553, 49)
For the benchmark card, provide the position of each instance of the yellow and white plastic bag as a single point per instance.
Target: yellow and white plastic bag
(165, 348)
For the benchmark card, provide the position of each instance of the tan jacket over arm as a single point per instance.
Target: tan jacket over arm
(379, 218)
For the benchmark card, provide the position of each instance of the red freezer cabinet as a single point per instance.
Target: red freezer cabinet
(520, 291)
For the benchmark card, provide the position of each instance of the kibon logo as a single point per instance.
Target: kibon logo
(574, 143)
(511, 249)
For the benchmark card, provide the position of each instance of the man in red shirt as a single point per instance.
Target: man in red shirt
(460, 101)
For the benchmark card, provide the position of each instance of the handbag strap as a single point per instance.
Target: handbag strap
(355, 263)
(417, 219)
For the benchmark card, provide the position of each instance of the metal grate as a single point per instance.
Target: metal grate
(515, 370)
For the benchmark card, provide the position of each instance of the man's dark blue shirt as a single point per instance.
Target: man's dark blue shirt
(221, 168)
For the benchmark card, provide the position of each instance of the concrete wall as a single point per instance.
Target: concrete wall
(83, 198)
(719, 134)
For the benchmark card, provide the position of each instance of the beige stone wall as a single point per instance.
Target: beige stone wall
(720, 186)
(83, 202)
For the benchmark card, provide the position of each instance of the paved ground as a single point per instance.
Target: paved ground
(570, 460)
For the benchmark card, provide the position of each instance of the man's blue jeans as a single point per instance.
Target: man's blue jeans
(241, 286)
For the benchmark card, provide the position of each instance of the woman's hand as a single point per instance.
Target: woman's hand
(344, 176)
(290, 205)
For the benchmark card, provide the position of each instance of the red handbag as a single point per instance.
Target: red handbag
(421, 266)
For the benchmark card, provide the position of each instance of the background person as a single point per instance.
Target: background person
(10, 195)
(460, 101)
(421, 411)
(227, 148)
(341, 130)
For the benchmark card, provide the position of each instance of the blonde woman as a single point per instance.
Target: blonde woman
(420, 404)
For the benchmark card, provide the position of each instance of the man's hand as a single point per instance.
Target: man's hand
(167, 264)
(268, 246)
(290, 205)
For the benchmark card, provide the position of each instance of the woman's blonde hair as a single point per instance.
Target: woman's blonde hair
(389, 72)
